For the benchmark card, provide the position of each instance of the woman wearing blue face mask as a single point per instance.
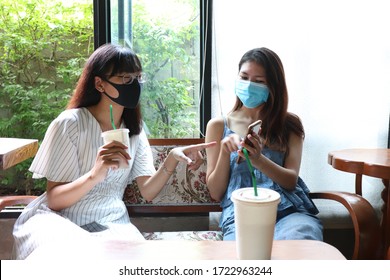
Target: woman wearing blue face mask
(86, 179)
(275, 155)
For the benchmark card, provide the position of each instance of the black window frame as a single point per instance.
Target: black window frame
(102, 35)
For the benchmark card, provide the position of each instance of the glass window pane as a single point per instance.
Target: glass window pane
(165, 34)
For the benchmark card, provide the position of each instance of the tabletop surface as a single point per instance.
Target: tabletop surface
(183, 250)
(371, 162)
(16, 150)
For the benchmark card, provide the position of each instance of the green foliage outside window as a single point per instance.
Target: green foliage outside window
(169, 50)
(43, 46)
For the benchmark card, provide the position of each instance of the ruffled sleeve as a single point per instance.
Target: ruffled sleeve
(57, 158)
(143, 158)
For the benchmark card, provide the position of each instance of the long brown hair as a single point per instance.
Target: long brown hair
(277, 122)
(107, 60)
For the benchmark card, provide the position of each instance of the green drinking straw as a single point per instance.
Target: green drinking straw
(112, 118)
(251, 170)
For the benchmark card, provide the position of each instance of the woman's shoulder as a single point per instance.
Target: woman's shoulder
(217, 122)
(294, 125)
(72, 115)
(215, 128)
(70, 118)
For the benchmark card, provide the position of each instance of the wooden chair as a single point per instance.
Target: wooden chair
(7, 220)
(367, 244)
(13, 200)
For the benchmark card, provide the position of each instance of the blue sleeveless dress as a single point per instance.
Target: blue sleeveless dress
(296, 212)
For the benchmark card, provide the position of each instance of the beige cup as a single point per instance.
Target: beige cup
(255, 218)
(120, 135)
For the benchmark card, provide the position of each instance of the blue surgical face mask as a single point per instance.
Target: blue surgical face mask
(251, 94)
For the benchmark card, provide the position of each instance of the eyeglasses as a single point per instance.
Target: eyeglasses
(128, 79)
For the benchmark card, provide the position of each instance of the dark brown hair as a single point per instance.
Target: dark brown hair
(277, 122)
(107, 60)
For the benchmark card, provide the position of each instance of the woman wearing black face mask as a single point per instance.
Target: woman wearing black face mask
(86, 179)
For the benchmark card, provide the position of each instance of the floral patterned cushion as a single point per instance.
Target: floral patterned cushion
(184, 187)
(184, 235)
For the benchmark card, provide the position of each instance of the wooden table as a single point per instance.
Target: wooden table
(370, 162)
(181, 250)
(16, 150)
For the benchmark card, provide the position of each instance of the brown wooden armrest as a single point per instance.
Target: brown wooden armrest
(364, 219)
(166, 209)
(15, 200)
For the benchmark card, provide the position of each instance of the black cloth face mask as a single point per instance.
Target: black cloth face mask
(129, 94)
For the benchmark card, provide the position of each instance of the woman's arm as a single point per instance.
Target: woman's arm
(286, 176)
(150, 186)
(62, 195)
(218, 158)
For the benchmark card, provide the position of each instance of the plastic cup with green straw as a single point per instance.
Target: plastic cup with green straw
(112, 118)
(250, 166)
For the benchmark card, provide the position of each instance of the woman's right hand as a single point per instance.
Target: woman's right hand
(110, 156)
(231, 143)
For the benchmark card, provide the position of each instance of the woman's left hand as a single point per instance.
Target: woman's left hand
(191, 154)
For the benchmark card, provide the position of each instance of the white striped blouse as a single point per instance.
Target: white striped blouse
(67, 152)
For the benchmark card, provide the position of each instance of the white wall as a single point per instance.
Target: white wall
(336, 55)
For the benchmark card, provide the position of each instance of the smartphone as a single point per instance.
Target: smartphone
(252, 128)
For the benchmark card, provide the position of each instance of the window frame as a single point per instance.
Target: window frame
(102, 35)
